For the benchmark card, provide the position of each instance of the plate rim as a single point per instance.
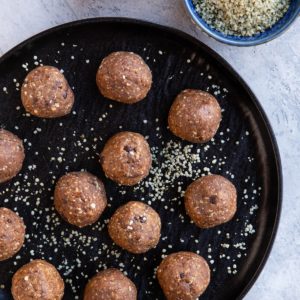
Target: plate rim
(133, 21)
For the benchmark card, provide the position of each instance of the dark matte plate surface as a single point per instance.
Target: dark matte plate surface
(244, 150)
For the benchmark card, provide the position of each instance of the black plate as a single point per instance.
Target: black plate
(244, 150)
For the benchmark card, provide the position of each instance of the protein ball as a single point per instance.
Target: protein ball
(12, 233)
(135, 227)
(37, 280)
(126, 158)
(183, 275)
(46, 93)
(195, 116)
(110, 284)
(80, 198)
(12, 155)
(211, 201)
(124, 77)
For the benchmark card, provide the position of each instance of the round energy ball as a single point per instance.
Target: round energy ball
(12, 233)
(126, 158)
(210, 201)
(46, 93)
(110, 284)
(183, 275)
(80, 198)
(135, 227)
(195, 116)
(124, 77)
(12, 155)
(37, 280)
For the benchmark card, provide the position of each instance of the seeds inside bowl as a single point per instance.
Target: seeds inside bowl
(241, 17)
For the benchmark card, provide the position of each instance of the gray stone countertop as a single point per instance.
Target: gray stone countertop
(271, 70)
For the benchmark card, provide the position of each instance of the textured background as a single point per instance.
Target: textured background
(271, 70)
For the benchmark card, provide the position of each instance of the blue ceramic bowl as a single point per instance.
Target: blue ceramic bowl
(269, 34)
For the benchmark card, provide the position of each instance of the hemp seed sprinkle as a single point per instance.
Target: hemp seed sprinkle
(241, 17)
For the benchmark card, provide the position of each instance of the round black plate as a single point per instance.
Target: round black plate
(244, 150)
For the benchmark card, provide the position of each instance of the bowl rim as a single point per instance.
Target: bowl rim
(242, 43)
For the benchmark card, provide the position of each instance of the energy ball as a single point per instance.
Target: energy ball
(12, 155)
(110, 284)
(126, 158)
(183, 275)
(80, 198)
(12, 233)
(211, 201)
(37, 280)
(124, 77)
(195, 116)
(46, 93)
(135, 227)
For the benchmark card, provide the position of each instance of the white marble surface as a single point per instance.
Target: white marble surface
(272, 71)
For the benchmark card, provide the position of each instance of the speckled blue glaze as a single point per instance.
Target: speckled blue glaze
(269, 34)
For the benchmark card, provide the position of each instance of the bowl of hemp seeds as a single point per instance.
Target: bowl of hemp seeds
(243, 22)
